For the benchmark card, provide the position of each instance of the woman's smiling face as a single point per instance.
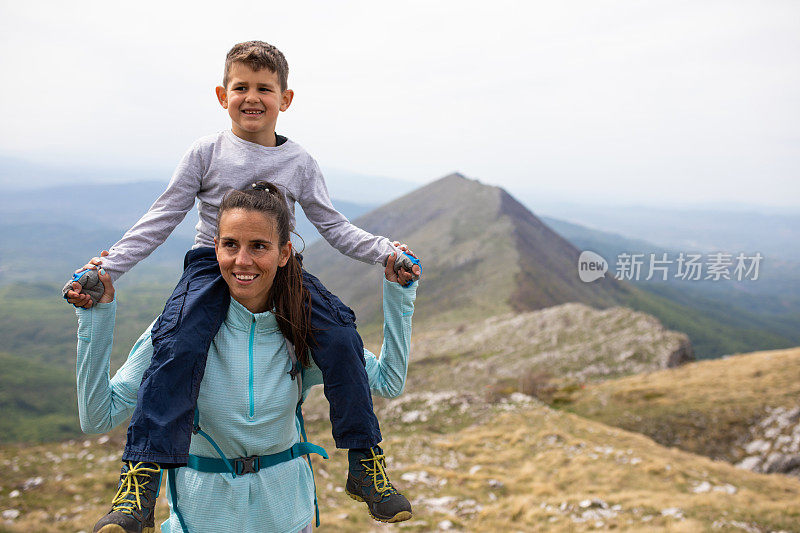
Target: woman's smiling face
(249, 255)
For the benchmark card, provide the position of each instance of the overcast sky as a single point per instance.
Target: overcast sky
(673, 101)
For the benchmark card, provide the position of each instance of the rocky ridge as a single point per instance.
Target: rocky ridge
(773, 445)
(570, 341)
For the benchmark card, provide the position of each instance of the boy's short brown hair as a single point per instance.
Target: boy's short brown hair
(257, 55)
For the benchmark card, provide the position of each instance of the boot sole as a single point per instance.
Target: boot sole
(402, 516)
(114, 528)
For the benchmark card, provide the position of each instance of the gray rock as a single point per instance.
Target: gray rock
(683, 354)
(726, 488)
(782, 441)
(10, 514)
(673, 512)
(32, 483)
(751, 463)
(778, 463)
(594, 503)
(495, 484)
(757, 446)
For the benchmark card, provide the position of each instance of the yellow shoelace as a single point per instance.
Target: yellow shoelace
(131, 484)
(378, 473)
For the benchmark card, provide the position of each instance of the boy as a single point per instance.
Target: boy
(254, 92)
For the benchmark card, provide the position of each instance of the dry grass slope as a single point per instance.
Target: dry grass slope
(520, 467)
(704, 407)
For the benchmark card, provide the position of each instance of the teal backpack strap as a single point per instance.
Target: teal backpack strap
(297, 370)
(297, 375)
(173, 494)
(299, 413)
(205, 435)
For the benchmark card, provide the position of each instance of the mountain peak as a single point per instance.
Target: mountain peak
(455, 176)
(459, 179)
(483, 252)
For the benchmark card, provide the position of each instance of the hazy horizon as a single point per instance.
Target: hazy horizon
(621, 103)
(543, 200)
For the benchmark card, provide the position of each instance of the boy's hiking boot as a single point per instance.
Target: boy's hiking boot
(133, 507)
(368, 482)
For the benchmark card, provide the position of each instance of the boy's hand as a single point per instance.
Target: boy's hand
(93, 263)
(76, 296)
(100, 288)
(400, 273)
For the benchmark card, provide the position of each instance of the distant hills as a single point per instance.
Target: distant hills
(484, 253)
(706, 227)
(776, 291)
(746, 315)
(38, 401)
(56, 229)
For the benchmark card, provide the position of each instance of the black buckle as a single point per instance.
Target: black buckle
(246, 465)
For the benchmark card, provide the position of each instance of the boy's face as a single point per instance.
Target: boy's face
(253, 99)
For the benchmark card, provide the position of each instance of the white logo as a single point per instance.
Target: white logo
(591, 266)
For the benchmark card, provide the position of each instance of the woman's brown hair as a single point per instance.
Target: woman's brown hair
(287, 296)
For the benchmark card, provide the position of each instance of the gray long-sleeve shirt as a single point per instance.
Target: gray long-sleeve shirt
(218, 163)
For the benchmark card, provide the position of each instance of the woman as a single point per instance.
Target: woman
(249, 394)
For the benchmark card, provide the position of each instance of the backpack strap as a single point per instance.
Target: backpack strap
(173, 491)
(173, 495)
(297, 375)
(296, 372)
(196, 429)
(254, 463)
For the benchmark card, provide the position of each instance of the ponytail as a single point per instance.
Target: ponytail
(293, 306)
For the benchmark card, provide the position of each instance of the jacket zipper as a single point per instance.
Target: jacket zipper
(251, 394)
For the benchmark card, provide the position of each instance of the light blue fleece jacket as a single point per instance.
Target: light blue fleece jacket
(247, 405)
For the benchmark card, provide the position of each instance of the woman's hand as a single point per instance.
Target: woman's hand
(108, 293)
(78, 298)
(389, 272)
